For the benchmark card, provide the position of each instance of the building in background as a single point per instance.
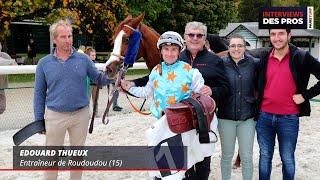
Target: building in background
(20, 34)
(22, 31)
(303, 38)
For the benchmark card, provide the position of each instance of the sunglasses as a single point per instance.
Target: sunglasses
(233, 46)
(191, 35)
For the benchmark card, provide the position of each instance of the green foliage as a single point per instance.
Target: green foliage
(21, 78)
(94, 19)
(152, 8)
(316, 9)
(215, 14)
(235, 12)
(284, 3)
(137, 72)
(248, 10)
(164, 15)
(11, 9)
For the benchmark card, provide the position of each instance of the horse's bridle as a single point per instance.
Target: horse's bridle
(122, 69)
(126, 25)
(118, 56)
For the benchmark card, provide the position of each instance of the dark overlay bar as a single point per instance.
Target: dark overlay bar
(100, 157)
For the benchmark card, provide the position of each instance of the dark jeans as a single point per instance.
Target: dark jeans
(286, 128)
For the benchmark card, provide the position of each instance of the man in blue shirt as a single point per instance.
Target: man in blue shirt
(60, 93)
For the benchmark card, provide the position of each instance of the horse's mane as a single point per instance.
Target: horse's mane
(217, 44)
(151, 29)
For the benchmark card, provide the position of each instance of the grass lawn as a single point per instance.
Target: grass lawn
(137, 72)
(25, 56)
(30, 77)
(21, 77)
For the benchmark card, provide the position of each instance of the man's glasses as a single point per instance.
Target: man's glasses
(191, 35)
(233, 46)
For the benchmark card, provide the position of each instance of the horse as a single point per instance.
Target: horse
(148, 46)
(148, 49)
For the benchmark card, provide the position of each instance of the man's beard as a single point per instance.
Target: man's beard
(283, 46)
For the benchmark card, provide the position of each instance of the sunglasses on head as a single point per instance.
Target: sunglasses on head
(168, 36)
(192, 35)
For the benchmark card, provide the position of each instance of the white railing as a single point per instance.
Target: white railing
(31, 69)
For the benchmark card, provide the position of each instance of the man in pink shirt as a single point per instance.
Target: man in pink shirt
(284, 72)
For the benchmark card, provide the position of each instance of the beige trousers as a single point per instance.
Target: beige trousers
(57, 124)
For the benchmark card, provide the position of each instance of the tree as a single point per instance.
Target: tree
(13, 9)
(284, 3)
(235, 12)
(164, 15)
(215, 14)
(316, 9)
(152, 8)
(92, 18)
(249, 10)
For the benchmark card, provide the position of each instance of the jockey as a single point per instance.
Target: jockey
(170, 81)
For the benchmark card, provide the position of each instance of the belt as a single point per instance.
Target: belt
(77, 109)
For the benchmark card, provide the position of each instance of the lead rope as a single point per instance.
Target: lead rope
(136, 109)
(95, 103)
(106, 111)
(121, 74)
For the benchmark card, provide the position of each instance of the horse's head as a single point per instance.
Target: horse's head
(120, 39)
